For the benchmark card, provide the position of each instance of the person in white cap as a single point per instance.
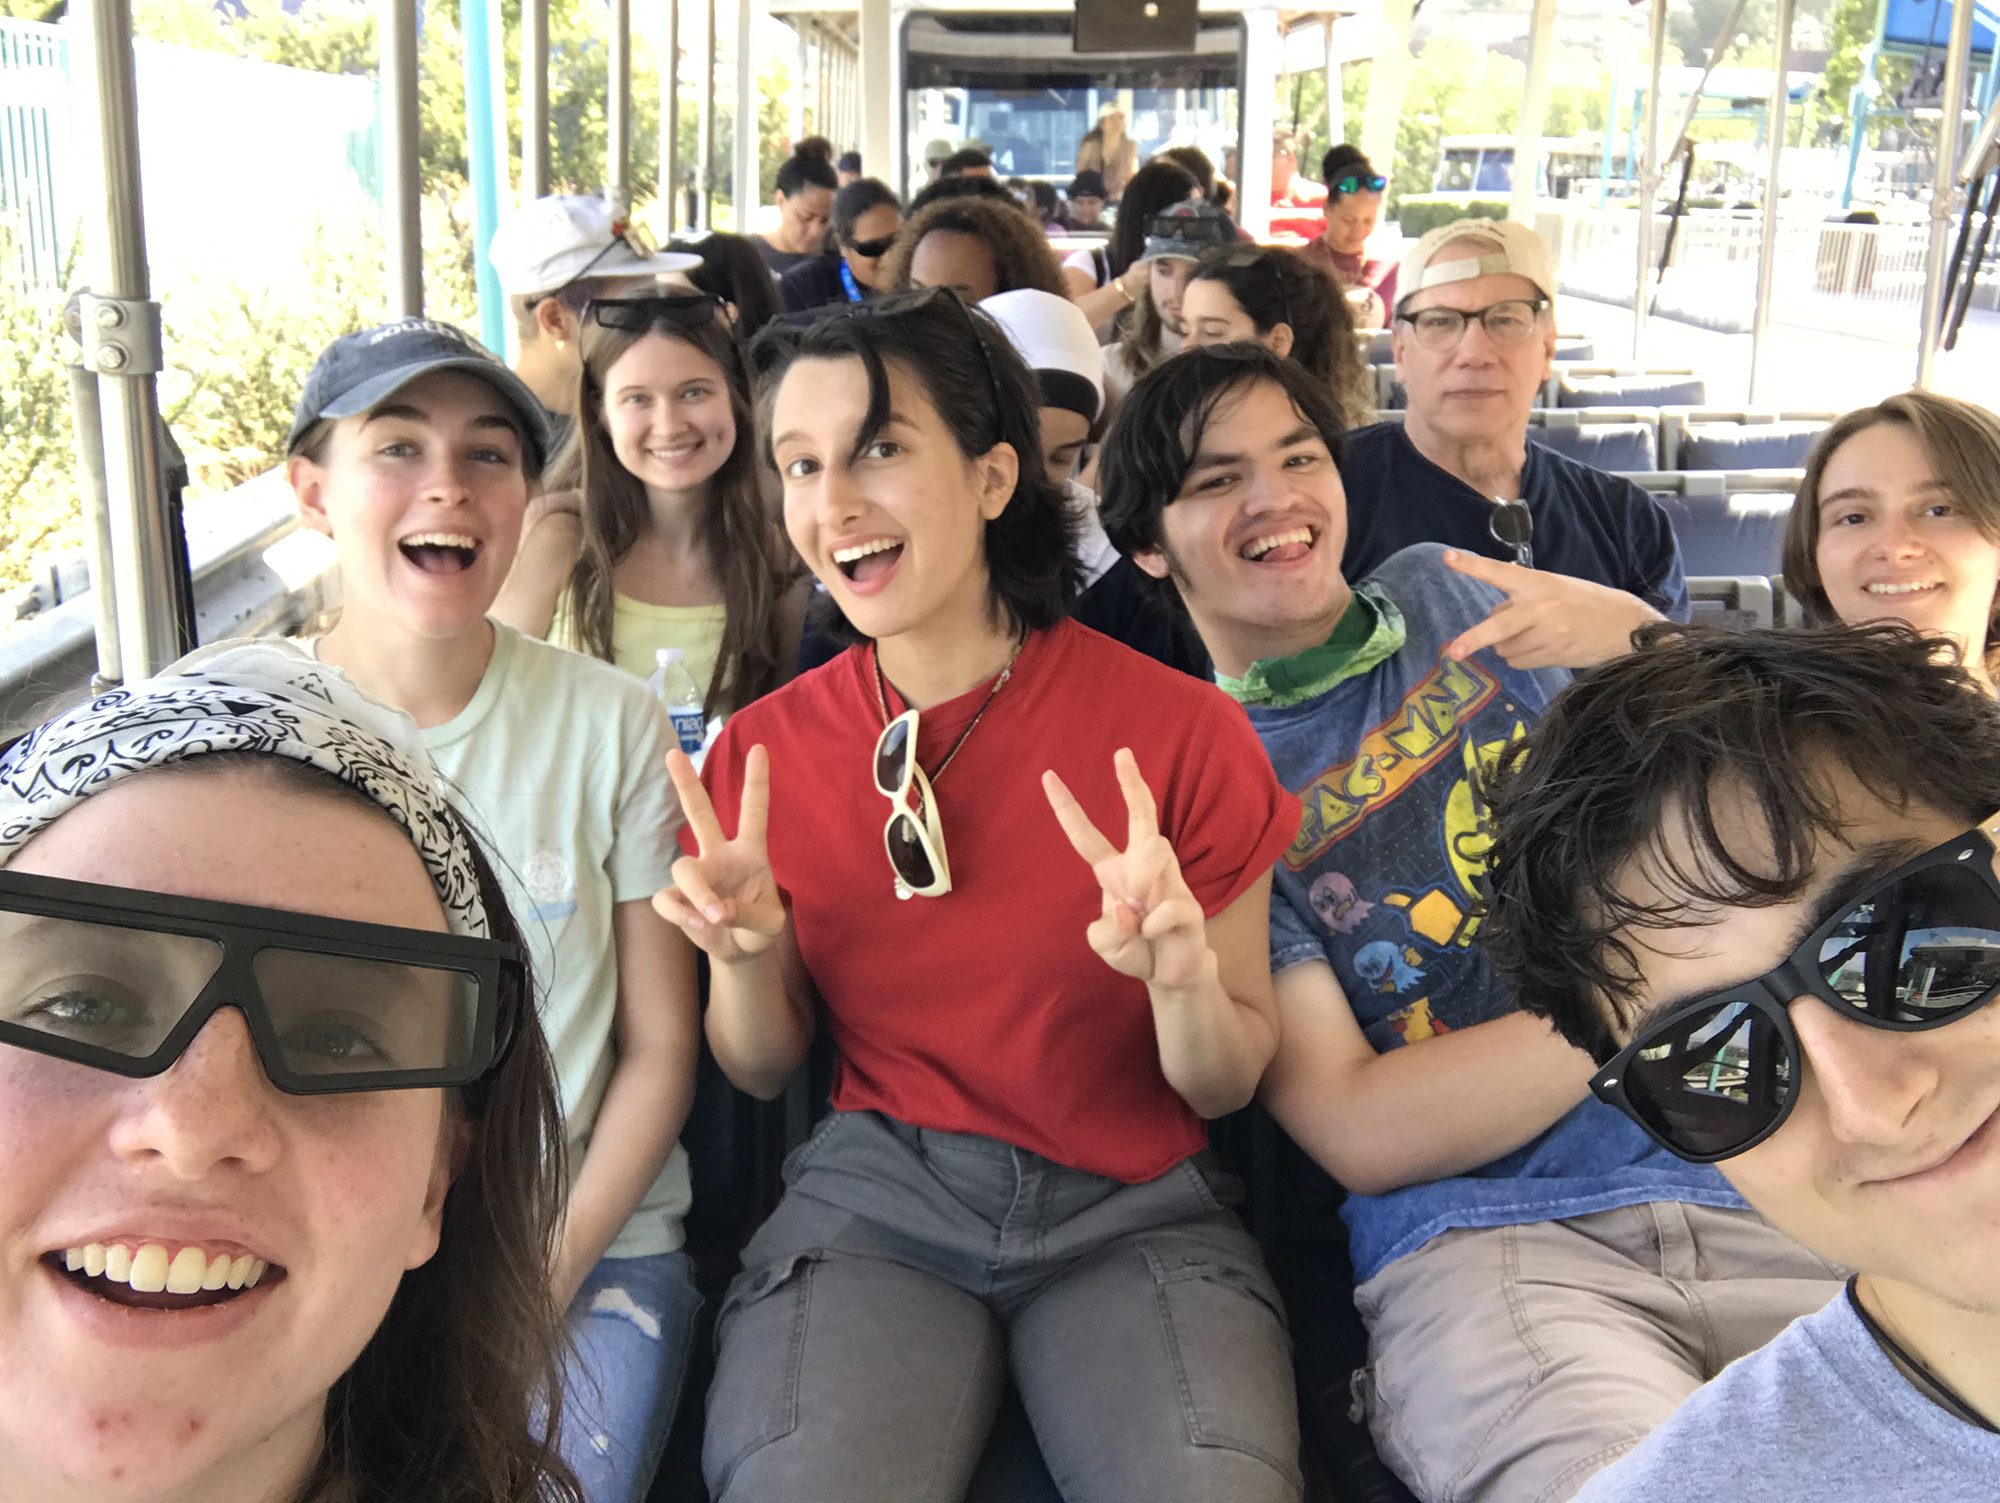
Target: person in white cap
(1475, 334)
(552, 258)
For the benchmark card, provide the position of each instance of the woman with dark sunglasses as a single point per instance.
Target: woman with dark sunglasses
(415, 452)
(1354, 192)
(866, 216)
(1757, 876)
(657, 535)
(273, 1206)
(1031, 1020)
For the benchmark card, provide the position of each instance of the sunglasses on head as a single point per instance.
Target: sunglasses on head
(1716, 1076)
(1354, 182)
(635, 315)
(123, 981)
(785, 334)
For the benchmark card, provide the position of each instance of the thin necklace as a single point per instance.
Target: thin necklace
(882, 699)
(1926, 1382)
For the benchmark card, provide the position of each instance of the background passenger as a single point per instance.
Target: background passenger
(804, 192)
(1527, 1266)
(866, 216)
(1155, 187)
(733, 269)
(848, 168)
(414, 450)
(662, 537)
(554, 256)
(975, 247)
(967, 161)
(1664, 841)
(1898, 518)
(1354, 192)
(1475, 338)
(1291, 192)
(1109, 152)
(1153, 327)
(216, 1287)
(1289, 306)
(1083, 211)
(1013, 1181)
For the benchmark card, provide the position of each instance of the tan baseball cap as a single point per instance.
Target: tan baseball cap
(1513, 248)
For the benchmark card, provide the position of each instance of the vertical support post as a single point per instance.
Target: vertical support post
(704, 130)
(747, 194)
(882, 145)
(618, 112)
(402, 216)
(122, 344)
(1336, 101)
(1767, 250)
(480, 151)
(1944, 186)
(1388, 81)
(87, 436)
(1649, 183)
(1610, 129)
(1534, 108)
(802, 62)
(670, 120)
(1261, 46)
(535, 99)
(1860, 103)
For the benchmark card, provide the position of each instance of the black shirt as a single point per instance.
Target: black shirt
(779, 261)
(1589, 524)
(812, 284)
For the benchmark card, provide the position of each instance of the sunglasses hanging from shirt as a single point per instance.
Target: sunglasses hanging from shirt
(1513, 528)
(1919, 949)
(122, 980)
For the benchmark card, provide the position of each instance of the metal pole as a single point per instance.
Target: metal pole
(618, 112)
(1262, 43)
(1943, 186)
(87, 430)
(1336, 103)
(535, 99)
(121, 332)
(670, 118)
(801, 62)
(882, 144)
(402, 187)
(1388, 81)
(481, 151)
(705, 124)
(1649, 184)
(748, 191)
(1534, 108)
(1767, 251)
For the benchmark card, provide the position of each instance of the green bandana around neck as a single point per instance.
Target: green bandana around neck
(1369, 631)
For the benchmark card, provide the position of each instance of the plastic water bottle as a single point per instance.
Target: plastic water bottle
(677, 691)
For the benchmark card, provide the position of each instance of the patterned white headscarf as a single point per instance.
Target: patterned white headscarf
(265, 696)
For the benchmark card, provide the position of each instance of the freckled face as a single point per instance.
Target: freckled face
(338, 1194)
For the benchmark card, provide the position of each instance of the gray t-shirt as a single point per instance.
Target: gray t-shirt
(1821, 1414)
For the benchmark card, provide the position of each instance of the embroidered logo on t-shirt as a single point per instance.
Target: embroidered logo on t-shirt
(550, 879)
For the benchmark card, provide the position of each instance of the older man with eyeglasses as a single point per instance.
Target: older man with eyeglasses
(1474, 337)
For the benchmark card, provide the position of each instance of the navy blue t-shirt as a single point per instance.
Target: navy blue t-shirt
(1589, 524)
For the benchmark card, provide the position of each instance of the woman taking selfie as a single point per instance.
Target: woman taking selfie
(275, 1199)
(923, 802)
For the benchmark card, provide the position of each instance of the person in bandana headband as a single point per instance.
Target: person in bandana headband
(272, 1100)
(414, 450)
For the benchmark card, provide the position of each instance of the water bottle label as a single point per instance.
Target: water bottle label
(690, 727)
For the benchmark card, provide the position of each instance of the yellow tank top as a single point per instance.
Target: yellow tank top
(639, 631)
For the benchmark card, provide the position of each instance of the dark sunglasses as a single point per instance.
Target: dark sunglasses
(635, 315)
(872, 248)
(1355, 183)
(1915, 951)
(122, 981)
(1513, 526)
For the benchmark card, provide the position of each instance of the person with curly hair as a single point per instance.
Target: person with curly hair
(1287, 304)
(975, 246)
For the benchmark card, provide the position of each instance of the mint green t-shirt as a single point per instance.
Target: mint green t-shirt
(559, 763)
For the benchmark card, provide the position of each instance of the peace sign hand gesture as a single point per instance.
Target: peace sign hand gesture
(1151, 928)
(725, 899)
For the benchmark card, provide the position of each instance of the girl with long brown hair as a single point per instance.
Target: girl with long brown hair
(656, 534)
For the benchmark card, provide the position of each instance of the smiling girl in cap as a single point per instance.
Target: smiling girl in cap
(415, 451)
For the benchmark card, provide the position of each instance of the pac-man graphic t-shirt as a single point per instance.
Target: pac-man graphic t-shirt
(1382, 884)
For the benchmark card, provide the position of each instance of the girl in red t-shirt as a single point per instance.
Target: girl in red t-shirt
(1014, 1181)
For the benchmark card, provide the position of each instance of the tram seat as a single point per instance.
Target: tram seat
(1705, 438)
(1606, 438)
(1729, 523)
(1741, 601)
(1575, 388)
(1569, 347)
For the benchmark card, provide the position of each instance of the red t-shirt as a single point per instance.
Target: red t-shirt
(985, 1010)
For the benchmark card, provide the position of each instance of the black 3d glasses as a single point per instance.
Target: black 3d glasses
(1916, 950)
(123, 981)
(635, 315)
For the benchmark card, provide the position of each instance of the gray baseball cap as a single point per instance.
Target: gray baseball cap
(1184, 230)
(362, 370)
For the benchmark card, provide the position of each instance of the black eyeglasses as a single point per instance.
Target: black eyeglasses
(122, 981)
(1506, 323)
(1354, 182)
(635, 315)
(1915, 951)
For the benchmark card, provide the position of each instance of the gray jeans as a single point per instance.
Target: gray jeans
(907, 1274)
